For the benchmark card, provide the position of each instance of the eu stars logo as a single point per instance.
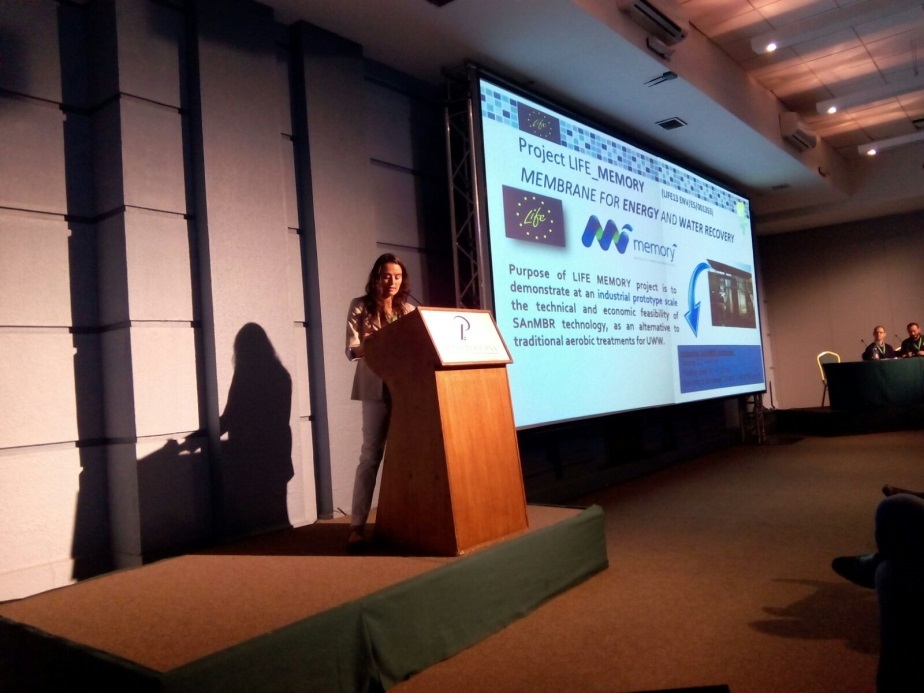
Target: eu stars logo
(533, 217)
(538, 123)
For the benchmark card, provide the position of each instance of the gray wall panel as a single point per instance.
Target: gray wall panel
(32, 165)
(30, 64)
(289, 185)
(159, 266)
(152, 156)
(118, 389)
(107, 158)
(151, 48)
(388, 126)
(395, 201)
(37, 388)
(35, 285)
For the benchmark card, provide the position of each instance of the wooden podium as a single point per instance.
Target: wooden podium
(451, 479)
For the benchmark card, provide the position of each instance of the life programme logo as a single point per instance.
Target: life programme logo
(538, 123)
(533, 217)
(606, 236)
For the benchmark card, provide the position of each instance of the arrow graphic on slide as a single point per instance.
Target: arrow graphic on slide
(692, 315)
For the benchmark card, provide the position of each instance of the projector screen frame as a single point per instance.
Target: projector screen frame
(752, 350)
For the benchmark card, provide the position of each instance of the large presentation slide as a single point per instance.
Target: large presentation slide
(620, 280)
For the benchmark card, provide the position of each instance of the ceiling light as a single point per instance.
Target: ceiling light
(873, 148)
(827, 23)
(866, 96)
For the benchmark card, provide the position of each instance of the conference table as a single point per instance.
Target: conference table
(866, 385)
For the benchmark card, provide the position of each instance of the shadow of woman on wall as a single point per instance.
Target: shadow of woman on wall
(255, 464)
(185, 497)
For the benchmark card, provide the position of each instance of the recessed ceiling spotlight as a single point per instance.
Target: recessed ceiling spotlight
(871, 148)
(868, 96)
(826, 23)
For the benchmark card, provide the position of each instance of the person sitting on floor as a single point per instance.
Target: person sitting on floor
(861, 570)
(896, 572)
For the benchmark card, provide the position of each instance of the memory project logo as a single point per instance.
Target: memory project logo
(533, 217)
(605, 235)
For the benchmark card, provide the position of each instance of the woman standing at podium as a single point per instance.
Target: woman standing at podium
(385, 301)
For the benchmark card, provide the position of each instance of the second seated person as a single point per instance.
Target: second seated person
(385, 300)
(879, 349)
(914, 345)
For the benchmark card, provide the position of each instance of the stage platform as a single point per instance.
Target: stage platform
(825, 421)
(290, 611)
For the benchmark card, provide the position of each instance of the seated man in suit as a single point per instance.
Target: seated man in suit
(879, 349)
(914, 345)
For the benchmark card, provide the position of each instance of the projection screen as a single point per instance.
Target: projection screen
(620, 280)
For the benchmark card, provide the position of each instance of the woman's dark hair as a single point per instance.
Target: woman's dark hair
(399, 300)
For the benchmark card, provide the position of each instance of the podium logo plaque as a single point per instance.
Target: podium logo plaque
(465, 336)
